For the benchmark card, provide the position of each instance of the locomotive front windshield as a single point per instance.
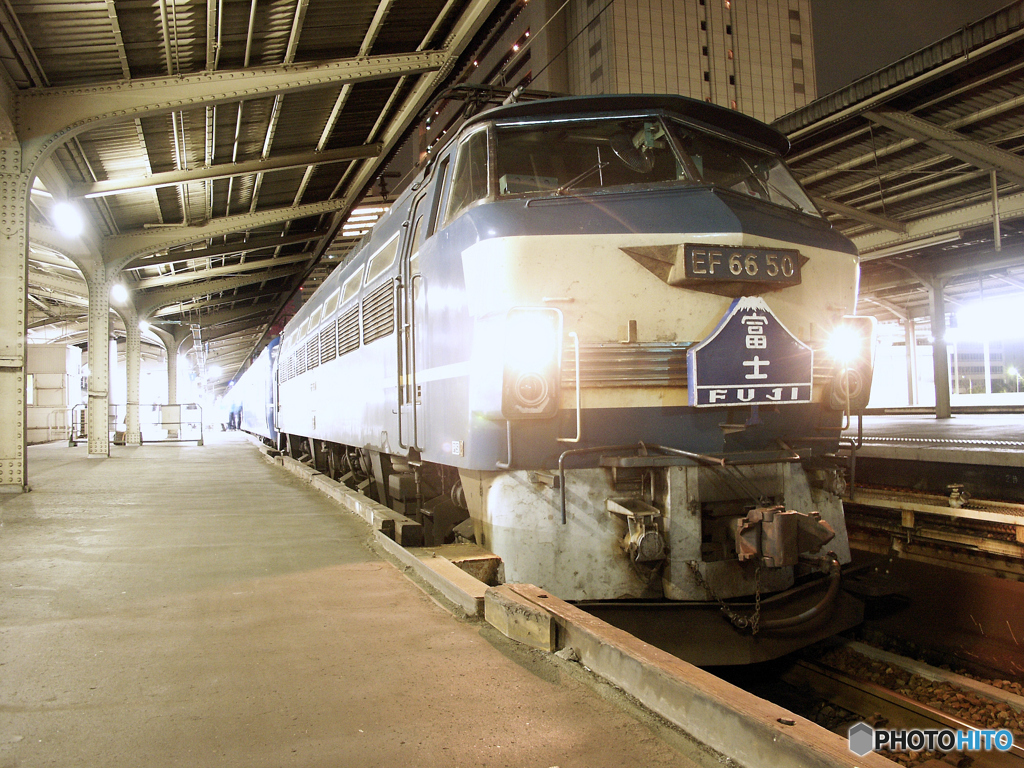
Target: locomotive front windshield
(557, 157)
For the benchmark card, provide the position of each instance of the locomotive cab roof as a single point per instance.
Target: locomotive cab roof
(701, 113)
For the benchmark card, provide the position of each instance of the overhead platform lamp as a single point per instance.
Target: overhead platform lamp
(68, 218)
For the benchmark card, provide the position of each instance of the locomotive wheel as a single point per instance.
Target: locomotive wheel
(333, 462)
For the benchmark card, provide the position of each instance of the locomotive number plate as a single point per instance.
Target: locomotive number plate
(726, 263)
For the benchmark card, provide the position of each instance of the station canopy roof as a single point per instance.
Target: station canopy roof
(909, 162)
(912, 161)
(283, 169)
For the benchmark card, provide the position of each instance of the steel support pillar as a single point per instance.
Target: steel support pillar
(172, 341)
(940, 363)
(133, 371)
(99, 366)
(910, 335)
(14, 186)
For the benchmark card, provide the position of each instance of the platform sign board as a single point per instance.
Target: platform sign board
(750, 358)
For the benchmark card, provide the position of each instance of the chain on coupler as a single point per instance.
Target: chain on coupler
(738, 620)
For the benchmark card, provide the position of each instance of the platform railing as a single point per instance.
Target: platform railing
(179, 423)
(158, 423)
(79, 432)
(58, 424)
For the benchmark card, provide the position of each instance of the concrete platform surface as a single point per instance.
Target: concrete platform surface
(991, 438)
(177, 605)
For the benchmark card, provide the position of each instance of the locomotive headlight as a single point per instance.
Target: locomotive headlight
(851, 347)
(845, 344)
(533, 353)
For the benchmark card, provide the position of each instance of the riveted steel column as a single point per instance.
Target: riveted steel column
(133, 365)
(172, 379)
(14, 187)
(99, 366)
(940, 362)
(910, 335)
(172, 374)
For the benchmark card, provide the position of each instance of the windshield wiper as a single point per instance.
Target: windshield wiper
(598, 166)
(767, 183)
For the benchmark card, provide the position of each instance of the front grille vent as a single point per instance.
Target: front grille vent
(611, 364)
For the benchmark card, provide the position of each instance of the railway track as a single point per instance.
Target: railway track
(861, 683)
(953, 531)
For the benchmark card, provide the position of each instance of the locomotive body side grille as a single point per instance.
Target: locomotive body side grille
(379, 312)
(313, 353)
(348, 331)
(329, 343)
(610, 364)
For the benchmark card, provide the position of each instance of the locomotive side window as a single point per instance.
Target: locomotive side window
(469, 181)
(351, 287)
(439, 185)
(740, 168)
(314, 319)
(418, 231)
(331, 304)
(382, 260)
(556, 157)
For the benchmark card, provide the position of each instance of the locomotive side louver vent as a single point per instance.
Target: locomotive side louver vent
(329, 343)
(645, 364)
(313, 353)
(300, 362)
(379, 312)
(348, 331)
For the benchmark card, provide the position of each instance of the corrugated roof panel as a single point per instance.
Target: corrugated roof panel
(416, 17)
(333, 32)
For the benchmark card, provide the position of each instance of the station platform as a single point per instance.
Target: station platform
(990, 439)
(179, 605)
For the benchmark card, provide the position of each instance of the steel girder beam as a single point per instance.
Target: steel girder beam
(976, 153)
(222, 346)
(119, 250)
(197, 305)
(82, 251)
(57, 283)
(224, 170)
(229, 249)
(76, 324)
(465, 27)
(230, 329)
(160, 298)
(226, 316)
(950, 221)
(907, 86)
(858, 215)
(46, 116)
(228, 269)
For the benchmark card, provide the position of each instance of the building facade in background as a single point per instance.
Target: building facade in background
(756, 56)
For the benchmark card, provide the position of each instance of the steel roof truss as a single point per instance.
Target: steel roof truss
(956, 144)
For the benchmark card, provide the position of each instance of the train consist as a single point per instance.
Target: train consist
(613, 332)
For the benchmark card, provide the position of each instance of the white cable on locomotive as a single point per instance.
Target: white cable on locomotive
(606, 319)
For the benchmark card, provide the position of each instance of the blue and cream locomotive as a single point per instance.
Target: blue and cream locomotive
(598, 327)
